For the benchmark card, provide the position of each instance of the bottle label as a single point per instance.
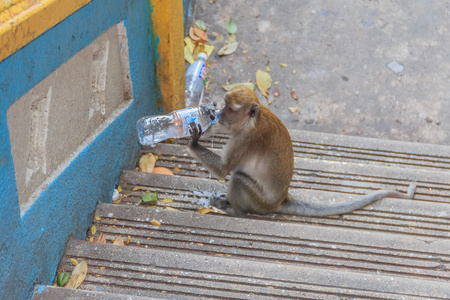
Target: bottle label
(186, 116)
(202, 73)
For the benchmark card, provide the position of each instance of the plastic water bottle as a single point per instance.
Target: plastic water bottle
(195, 81)
(154, 129)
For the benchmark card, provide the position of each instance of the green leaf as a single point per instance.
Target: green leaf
(150, 197)
(200, 24)
(62, 278)
(231, 26)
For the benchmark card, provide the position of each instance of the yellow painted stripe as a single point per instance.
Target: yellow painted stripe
(167, 22)
(21, 21)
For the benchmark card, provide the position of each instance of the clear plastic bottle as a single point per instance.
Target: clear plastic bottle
(195, 81)
(154, 129)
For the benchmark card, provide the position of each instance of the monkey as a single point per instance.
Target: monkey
(260, 157)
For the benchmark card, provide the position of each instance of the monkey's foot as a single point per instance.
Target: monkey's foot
(221, 202)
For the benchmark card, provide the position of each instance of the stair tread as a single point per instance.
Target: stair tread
(167, 274)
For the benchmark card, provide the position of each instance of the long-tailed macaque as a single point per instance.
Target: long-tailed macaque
(260, 157)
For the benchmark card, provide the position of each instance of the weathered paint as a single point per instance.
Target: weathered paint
(22, 21)
(167, 21)
(30, 245)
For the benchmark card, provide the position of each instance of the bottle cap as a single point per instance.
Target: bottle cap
(202, 55)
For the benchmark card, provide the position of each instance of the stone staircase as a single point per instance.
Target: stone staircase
(393, 249)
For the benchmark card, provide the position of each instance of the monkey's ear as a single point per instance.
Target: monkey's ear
(254, 110)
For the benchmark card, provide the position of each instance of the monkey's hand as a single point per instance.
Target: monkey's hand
(196, 133)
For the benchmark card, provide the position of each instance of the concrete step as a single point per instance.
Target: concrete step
(154, 272)
(393, 249)
(59, 293)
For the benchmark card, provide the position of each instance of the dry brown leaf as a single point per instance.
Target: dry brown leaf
(147, 162)
(155, 223)
(193, 36)
(200, 33)
(78, 275)
(293, 94)
(162, 170)
(118, 241)
(100, 239)
(263, 82)
(293, 109)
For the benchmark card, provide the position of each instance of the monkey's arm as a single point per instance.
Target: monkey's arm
(212, 161)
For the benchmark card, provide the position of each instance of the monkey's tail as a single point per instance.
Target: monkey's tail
(291, 207)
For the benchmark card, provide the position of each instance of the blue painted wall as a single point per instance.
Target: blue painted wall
(31, 245)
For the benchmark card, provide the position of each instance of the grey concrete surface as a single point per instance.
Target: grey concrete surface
(338, 56)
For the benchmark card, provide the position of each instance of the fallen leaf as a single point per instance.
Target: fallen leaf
(119, 189)
(162, 170)
(277, 82)
(193, 36)
(201, 34)
(229, 87)
(138, 188)
(93, 229)
(293, 94)
(231, 26)
(170, 208)
(319, 117)
(74, 261)
(100, 239)
(293, 109)
(177, 169)
(190, 44)
(270, 101)
(78, 276)
(204, 210)
(200, 24)
(167, 200)
(221, 180)
(267, 69)
(283, 65)
(147, 162)
(91, 239)
(208, 49)
(230, 46)
(245, 51)
(150, 197)
(200, 244)
(118, 241)
(276, 93)
(97, 218)
(128, 240)
(62, 278)
(263, 82)
(188, 55)
(155, 223)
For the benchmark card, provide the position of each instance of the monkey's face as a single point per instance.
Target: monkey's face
(241, 107)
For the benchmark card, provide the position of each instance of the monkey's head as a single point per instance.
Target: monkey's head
(241, 109)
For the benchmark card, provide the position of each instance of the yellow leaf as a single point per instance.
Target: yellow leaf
(119, 189)
(102, 268)
(128, 240)
(293, 109)
(263, 82)
(283, 65)
(147, 163)
(155, 223)
(138, 188)
(91, 239)
(93, 229)
(221, 180)
(245, 51)
(167, 200)
(118, 241)
(224, 71)
(188, 55)
(209, 49)
(189, 44)
(204, 210)
(268, 69)
(97, 218)
(78, 276)
(320, 117)
(229, 87)
(230, 46)
(200, 244)
(74, 261)
(270, 101)
(170, 208)
(277, 82)
(177, 169)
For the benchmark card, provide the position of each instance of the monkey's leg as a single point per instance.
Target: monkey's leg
(246, 195)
